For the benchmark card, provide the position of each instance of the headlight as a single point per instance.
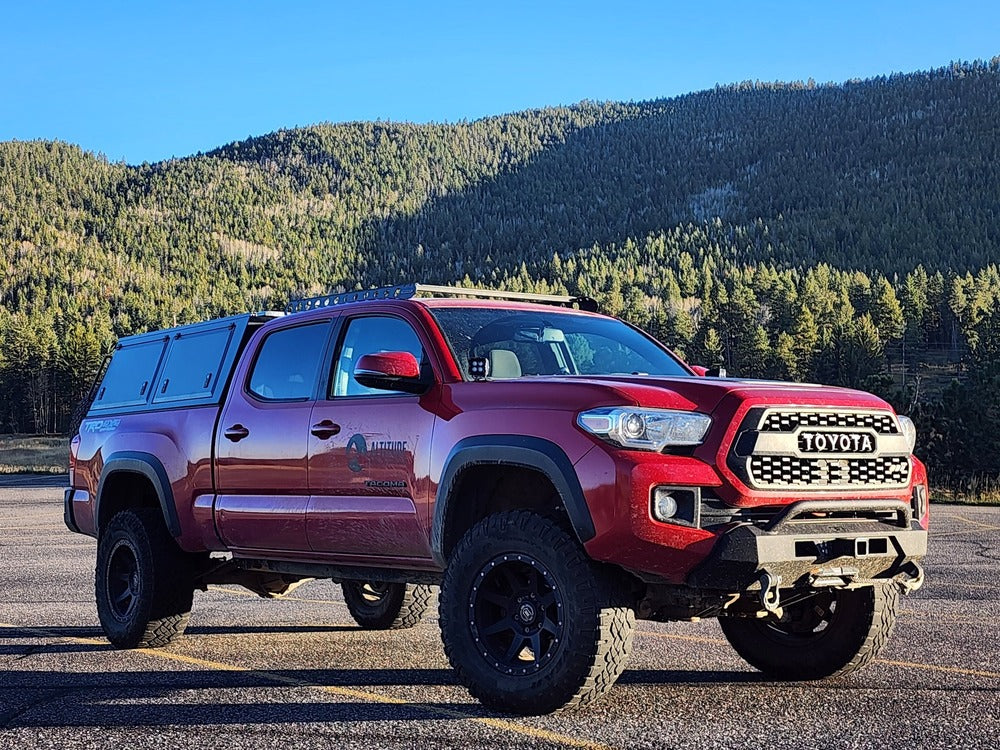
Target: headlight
(645, 429)
(909, 431)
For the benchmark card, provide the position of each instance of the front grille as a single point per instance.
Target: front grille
(789, 421)
(775, 450)
(792, 471)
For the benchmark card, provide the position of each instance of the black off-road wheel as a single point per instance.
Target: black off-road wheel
(386, 606)
(529, 623)
(143, 581)
(832, 633)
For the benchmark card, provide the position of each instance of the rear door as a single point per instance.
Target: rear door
(369, 453)
(263, 439)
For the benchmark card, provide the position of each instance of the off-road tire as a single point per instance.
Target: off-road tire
(586, 607)
(144, 583)
(386, 606)
(856, 629)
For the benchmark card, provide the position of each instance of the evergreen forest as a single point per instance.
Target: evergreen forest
(839, 233)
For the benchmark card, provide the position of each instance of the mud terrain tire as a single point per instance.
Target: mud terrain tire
(143, 581)
(833, 633)
(529, 623)
(386, 606)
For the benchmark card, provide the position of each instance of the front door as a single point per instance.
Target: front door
(263, 440)
(369, 454)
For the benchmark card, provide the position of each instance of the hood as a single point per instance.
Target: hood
(703, 394)
(706, 394)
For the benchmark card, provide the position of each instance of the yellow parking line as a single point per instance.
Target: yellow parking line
(282, 597)
(240, 592)
(980, 524)
(941, 618)
(963, 533)
(940, 668)
(969, 521)
(962, 584)
(677, 636)
(890, 662)
(364, 695)
(723, 642)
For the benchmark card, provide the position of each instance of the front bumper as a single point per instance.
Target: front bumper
(817, 543)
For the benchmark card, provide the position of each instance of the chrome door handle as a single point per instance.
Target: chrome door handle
(236, 433)
(325, 429)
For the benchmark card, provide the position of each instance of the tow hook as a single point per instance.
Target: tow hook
(911, 579)
(770, 596)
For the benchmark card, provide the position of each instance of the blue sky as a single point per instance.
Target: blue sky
(144, 81)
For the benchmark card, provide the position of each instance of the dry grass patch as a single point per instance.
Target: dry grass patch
(34, 454)
(965, 496)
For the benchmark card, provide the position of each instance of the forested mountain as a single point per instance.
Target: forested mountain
(790, 230)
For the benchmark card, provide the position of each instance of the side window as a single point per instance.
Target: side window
(367, 336)
(129, 378)
(288, 363)
(193, 364)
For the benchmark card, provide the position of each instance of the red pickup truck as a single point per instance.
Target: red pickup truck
(558, 473)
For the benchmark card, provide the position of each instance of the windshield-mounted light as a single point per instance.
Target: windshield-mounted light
(909, 431)
(646, 429)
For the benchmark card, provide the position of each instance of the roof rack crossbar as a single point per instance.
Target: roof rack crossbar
(400, 291)
(407, 291)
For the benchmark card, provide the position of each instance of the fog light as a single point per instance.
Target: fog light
(664, 504)
(676, 505)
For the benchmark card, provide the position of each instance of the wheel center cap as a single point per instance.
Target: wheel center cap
(526, 614)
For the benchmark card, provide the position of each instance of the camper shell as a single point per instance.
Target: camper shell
(187, 365)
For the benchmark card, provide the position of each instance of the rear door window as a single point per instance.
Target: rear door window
(288, 363)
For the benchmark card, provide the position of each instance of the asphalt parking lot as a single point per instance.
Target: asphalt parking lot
(297, 673)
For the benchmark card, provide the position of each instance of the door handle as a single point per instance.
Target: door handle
(325, 429)
(236, 433)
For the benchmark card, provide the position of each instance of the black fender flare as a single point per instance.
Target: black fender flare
(149, 466)
(514, 450)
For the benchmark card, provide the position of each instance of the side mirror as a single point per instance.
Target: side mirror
(390, 371)
(709, 372)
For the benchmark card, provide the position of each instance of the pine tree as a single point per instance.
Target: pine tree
(887, 313)
(805, 345)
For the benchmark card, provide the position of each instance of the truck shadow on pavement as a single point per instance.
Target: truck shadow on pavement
(190, 697)
(78, 631)
(45, 698)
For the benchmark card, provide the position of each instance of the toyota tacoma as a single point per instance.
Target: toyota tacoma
(557, 472)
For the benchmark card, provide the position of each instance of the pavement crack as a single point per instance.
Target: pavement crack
(985, 551)
(7, 719)
(28, 651)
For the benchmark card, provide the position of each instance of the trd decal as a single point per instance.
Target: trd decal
(101, 425)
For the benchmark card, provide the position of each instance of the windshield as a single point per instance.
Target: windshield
(519, 343)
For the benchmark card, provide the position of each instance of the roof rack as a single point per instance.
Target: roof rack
(407, 291)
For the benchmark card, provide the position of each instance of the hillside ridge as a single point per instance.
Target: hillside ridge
(790, 230)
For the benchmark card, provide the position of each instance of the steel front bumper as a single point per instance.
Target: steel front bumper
(817, 544)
